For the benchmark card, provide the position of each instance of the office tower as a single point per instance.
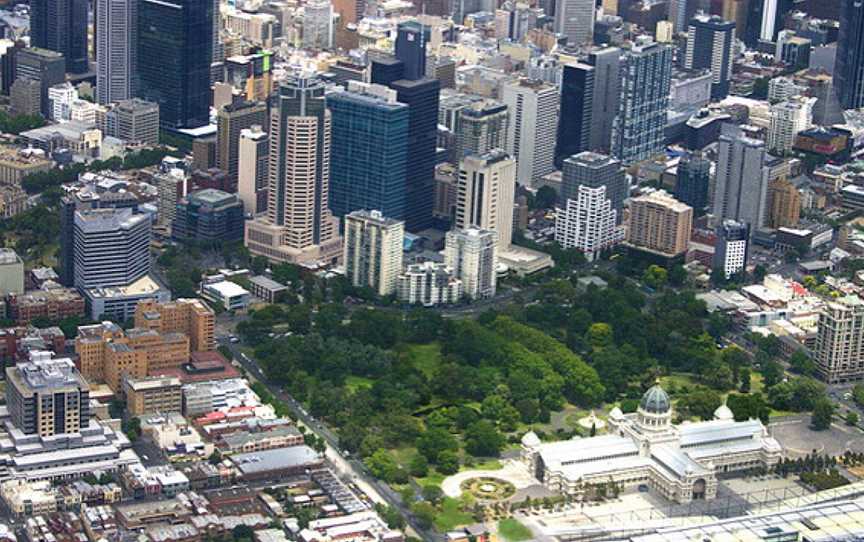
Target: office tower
(61, 26)
(370, 141)
(792, 50)
(208, 216)
(111, 247)
(298, 226)
(411, 40)
(839, 351)
(60, 98)
(594, 170)
(731, 248)
(784, 204)
(421, 97)
(230, 121)
(660, 224)
(464, 8)
(487, 187)
(191, 317)
(136, 121)
(587, 222)
(47, 397)
(741, 180)
(252, 74)
(385, 70)
(533, 107)
(482, 127)
(574, 120)
(318, 25)
(787, 119)
(174, 56)
(607, 92)
(772, 13)
(373, 250)
(116, 54)
(638, 132)
(428, 284)
(42, 65)
(575, 20)
(849, 68)
(710, 42)
(693, 182)
(171, 185)
(350, 11)
(252, 161)
(472, 255)
(25, 97)
(665, 32)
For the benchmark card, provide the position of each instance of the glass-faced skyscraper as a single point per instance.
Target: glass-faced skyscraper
(574, 120)
(710, 40)
(849, 68)
(175, 42)
(411, 41)
(61, 26)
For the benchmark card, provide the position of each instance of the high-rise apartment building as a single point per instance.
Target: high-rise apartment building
(533, 107)
(175, 46)
(482, 127)
(230, 121)
(191, 317)
(577, 107)
(693, 182)
(318, 25)
(638, 131)
(587, 222)
(47, 397)
(594, 170)
(784, 204)
(111, 247)
(373, 250)
(839, 351)
(787, 119)
(411, 40)
(171, 186)
(575, 20)
(741, 179)
(710, 45)
(252, 164)
(370, 139)
(46, 66)
(849, 68)
(135, 120)
(607, 92)
(116, 34)
(659, 223)
(61, 26)
(485, 194)
(298, 226)
(473, 257)
(429, 284)
(732, 248)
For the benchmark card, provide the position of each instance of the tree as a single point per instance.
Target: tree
(242, 532)
(852, 419)
(772, 373)
(599, 335)
(483, 439)
(424, 513)
(434, 441)
(448, 462)
(759, 273)
(215, 458)
(677, 275)
(545, 198)
(418, 466)
(858, 394)
(823, 412)
(432, 493)
(700, 403)
(655, 276)
(749, 406)
(800, 363)
(382, 465)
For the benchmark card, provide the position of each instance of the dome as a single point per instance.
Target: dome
(530, 439)
(616, 414)
(724, 413)
(655, 401)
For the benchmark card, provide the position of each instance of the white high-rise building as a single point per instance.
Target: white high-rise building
(587, 222)
(171, 186)
(318, 24)
(839, 352)
(533, 107)
(575, 19)
(111, 247)
(116, 57)
(61, 98)
(252, 161)
(787, 119)
(741, 180)
(473, 257)
(429, 284)
(373, 250)
(485, 194)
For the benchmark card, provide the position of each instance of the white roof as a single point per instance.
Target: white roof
(707, 433)
(586, 450)
(226, 288)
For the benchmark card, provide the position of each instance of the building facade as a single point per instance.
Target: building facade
(253, 159)
(373, 250)
(587, 222)
(594, 170)
(231, 120)
(61, 26)
(208, 216)
(533, 107)
(693, 182)
(111, 247)
(788, 118)
(839, 351)
(577, 107)
(575, 20)
(485, 195)
(710, 44)
(116, 32)
(472, 255)
(741, 180)
(429, 284)
(47, 397)
(849, 68)
(731, 250)
(659, 223)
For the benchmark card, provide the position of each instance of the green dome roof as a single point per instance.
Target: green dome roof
(655, 401)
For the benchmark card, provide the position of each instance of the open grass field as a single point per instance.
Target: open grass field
(512, 531)
(425, 357)
(450, 516)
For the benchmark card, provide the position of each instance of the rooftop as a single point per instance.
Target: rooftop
(275, 459)
(44, 373)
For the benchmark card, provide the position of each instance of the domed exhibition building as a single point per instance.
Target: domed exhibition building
(680, 462)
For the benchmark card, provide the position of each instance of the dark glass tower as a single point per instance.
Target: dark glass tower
(574, 121)
(369, 142)
(411, 42)
(709, 46)
(175, 41)
(849, 68)
(691, 185)
(61, 26)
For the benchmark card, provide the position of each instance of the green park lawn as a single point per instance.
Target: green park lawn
(425, 357)
(511, 530)
(354, 383)
(450, 516)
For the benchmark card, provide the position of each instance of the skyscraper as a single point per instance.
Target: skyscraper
(607, 92)
(298, 226)
(136, 120)
(482, 127)
(252, 161)
(787, 119)
(594, 170)
(47, 397)
(693, 181)
(111, 247)
(574, 120)
(839, 351)
(638, 132)
(231, 120)
(175, 44)
(369, 162)
(659, 223)
(710, 42)
(533, 107)
(784, 204)
(61, 26)
(318, 24)
(487, 187)
(575, 20)
(731, 250)
(116, 54)
(373, 250)
(741, 181)
(473, 257)
(849, 68)
(411, 40)
(42, 65)
(587, 222)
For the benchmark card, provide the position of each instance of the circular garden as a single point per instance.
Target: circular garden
(488, 489)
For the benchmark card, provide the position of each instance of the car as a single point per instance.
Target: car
(233, 340)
